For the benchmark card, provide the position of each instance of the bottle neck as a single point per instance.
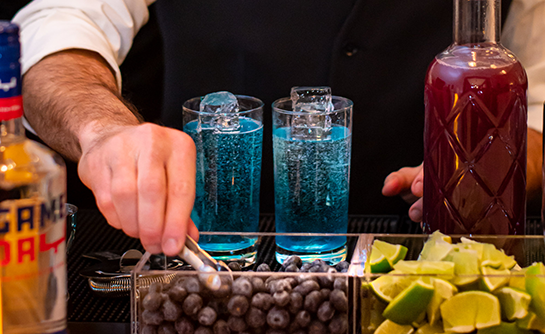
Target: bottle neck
(477, 21)
(12, 131)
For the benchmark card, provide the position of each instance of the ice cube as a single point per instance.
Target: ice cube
(225, 106)
(315, 103)
(311, 99)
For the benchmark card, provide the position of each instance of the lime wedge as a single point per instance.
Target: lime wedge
(478, 247)
(443, 291)
(504, 328)
(392, 252)
(378, 263)
(514, 303)
(494, 279)
(466, 267)
(390, 327)
(387, 287)
(535, 286)
(467, 311)
(518, 279)
(532, 322)
(426, 267)
(436, 248)
(407, 306)
(429, 329)
(496, 258)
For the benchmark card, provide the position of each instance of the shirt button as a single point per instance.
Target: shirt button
(350, 49)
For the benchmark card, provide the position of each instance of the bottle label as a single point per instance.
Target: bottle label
(11, 107)
(32, 264)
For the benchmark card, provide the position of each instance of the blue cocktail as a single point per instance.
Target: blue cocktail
(311, 179)
(228, 176)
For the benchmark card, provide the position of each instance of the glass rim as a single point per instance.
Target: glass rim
(275, 107)
(238, 113)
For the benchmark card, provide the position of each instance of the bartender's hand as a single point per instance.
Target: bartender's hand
(408, 182)
(143, 178)
(142, 175)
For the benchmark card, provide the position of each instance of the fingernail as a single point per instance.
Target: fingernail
(388, 178)
(171, 246)
(416, 214)
(154, 249)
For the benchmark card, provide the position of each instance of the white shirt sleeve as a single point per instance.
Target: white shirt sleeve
(104, 26)
(524, 35)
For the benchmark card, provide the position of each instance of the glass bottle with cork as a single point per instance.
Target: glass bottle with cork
(475, 130)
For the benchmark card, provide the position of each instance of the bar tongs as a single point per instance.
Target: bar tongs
(201, 261)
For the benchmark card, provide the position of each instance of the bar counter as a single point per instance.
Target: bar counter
(89, 313)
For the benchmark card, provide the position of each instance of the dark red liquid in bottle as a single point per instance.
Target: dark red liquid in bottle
(475, 143)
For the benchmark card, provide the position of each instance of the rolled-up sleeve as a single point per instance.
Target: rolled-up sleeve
(524, 34)
(103, 26)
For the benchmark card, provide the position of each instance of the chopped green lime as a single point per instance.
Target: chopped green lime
(387, 287)
(514, 303)
(478, 247)
(496, 258)
(467, 311)
(407, 306)
(466, 267)
(443, 291)
(390, 327)
(494, 279)
(378, 263)
(504, 328)
(531, 321)
(535, 286)
(518, 279)
(429, 329)
(436, 248)
(392, 252)
(426, 267)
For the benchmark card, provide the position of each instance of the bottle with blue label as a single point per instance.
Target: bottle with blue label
(32, 213)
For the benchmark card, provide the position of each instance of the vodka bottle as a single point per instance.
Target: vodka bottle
(32, 213)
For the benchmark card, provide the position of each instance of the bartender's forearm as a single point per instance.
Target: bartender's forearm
(71, 99)
(534, 175)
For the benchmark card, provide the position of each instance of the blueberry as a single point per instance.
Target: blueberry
(325, 311)
(340, 284)
(345, 270)
(236, 324)
(313, 301)
(302, 318)
(238, 305)
(221, 327)
(281, 298)
(299, 331)
(192, 304)
(278, 318)
(177, 293)
(156, 287)
(293, 259)
(317, 327)
(326, 281)
(152, 317)
(305, 267)
(292, 268)
(318, 263)
(292, 281)
(275, 331)
(225, 287)
(184, 326)
(315, 269)
(203, 330)
(339, 324)
(234, 266)
(192, 284)
(152, 301)
(305, 287)
(339, 300)
(242, 286)
(255, 317)
(296, 302)
(306, 277)
(342, 265)
(258, 285)
(148, 329)
(166, 328)
(325, 293)
(171, 310)
(262, 301)
(279, 285)
(263, 267)
(207, 316)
